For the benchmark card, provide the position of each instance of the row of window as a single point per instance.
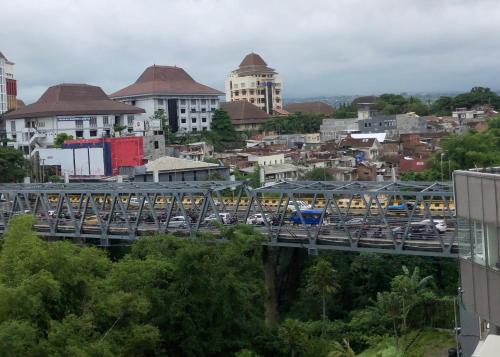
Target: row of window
(192, 101)
(388, 123)
(193, 110)
(193, 120)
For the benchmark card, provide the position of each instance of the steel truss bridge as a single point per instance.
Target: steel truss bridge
(413, 218)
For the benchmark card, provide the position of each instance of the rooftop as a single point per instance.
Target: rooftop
(72, 99)
(244, 112)
(165, 80)
(168, 163)
(310, 108)
(253, 64)
(5, 58)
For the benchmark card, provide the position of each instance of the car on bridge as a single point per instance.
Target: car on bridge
(225, 217)
(177, 222)
(421, 230)
(310, 216)
(302, 206)
(258, 219)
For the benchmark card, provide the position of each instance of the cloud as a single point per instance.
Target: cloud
(319, 47)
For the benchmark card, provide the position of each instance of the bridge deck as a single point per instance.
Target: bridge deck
(411, 218)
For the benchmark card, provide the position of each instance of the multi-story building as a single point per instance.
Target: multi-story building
(8, 85)
(79, 110)
(256, 83)
(477, 196)
(187, 104)
(244, 115)
(335, 129)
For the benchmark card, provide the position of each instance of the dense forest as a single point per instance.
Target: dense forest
(166, 296)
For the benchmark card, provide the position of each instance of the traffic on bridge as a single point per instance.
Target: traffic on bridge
(395, 217)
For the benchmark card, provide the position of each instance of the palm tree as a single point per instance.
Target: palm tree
(321, 279)
(342, 350)
(293, 335)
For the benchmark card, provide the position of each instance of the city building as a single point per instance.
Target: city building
(174, 169)
(80, 110)
(8, 85)
(318, 108)
(245, 115)
(197, 151)
(256, 83)
(477, 195)
(335, 129)
(410, 123)
(379, 124)
(187, 104)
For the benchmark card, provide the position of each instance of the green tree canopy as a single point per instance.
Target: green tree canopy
(61, 138)
(13, 165)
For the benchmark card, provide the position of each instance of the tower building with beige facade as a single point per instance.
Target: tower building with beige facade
(256, 83)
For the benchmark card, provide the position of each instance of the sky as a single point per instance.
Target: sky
(319, 47)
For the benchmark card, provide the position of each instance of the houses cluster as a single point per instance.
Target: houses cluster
(115, 134)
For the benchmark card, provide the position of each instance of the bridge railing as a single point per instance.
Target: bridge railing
(404, 218)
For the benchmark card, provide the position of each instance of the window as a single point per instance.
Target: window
(105, 120)
(242, 85)
(204, 128)
(243, 92)
(203, 101)
(252, 100)
(252, 92)
(235, 86)
(203, 110)
(93, 133)
(193, 120)
(93, 122)
(130, 120)
(212, 101)
(203, 120)
(183, 120)
(183, 110)
(212, 110)
(160, 101)
(236, 93)
(182, 102)
(13, 126)
(193, 110)
(194, 130)
(132, 102)
(193, 101)
(156, 144)
(79, 133)
(79, 125)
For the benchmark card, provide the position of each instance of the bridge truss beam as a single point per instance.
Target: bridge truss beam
(411, 218)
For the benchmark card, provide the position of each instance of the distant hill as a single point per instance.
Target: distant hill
(336, 100)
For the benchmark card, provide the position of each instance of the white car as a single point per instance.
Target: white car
(177, 222)
(225, 217)
(258, 219)
(302, 206)
(439, 223)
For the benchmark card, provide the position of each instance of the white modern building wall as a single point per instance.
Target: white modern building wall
(194, 112)
(22, 132)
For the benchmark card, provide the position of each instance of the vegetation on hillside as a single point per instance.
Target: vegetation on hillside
(169, 296)
(461, 152)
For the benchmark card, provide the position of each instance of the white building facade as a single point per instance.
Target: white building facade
(188, 105)
(79, 110)
(256, 83)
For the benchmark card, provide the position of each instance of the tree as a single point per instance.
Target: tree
(13, 165)
(321, 280)
(61, 138)
(342, 350)
(292, 335)
(222, 125)
(318, 174)
(409, 287)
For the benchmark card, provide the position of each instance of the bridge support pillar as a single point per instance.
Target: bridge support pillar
(271, 294)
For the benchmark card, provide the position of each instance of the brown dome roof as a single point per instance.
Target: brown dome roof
(73, 99)
(166, 80)
(253, 64)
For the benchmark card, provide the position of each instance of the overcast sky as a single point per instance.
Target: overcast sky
(320, 47)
